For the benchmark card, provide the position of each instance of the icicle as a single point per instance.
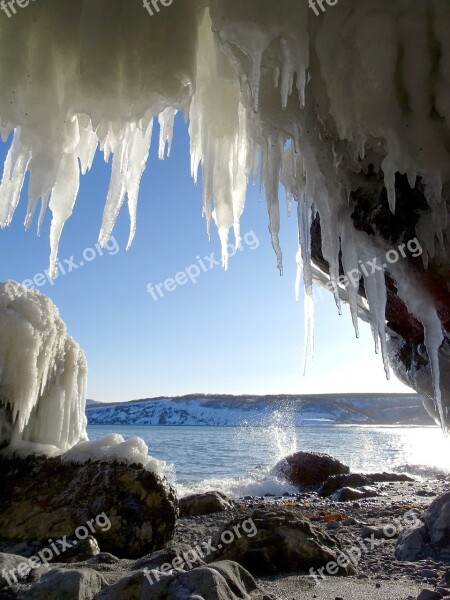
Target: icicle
(166, 122)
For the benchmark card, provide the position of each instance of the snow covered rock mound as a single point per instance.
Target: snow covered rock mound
(43, 375)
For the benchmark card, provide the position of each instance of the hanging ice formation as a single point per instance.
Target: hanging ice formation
(268, 87)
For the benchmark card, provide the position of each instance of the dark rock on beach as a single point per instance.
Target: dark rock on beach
(131, 511)
(204, 504)
(336, 482)
(432, 538)
(348, 494)
(308, 469)
(280, 542)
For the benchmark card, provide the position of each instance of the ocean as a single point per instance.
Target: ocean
(239, 460)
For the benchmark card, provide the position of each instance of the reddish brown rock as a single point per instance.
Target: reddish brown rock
(307, 469)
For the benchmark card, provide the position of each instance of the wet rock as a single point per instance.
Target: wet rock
(348, 494)
(46, 498)
(58, 584)
(309, 468)
(389, 477)
(336, 482)
(280, 542)
(204, 504)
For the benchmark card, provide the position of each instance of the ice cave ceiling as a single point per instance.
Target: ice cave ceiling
(347, 107)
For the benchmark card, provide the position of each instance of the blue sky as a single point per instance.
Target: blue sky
(239, 331)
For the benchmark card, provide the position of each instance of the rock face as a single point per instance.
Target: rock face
(307, 469)
(204, 504)
(129, 510)
(280, 542)
(428, 274)
(430, 539)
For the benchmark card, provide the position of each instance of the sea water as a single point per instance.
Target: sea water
(239, 460)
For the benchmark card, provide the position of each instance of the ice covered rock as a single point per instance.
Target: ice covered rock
(43, 375)
(309, 469)
(130, 510)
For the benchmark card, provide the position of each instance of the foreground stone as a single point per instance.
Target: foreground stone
(59, 584)
(224, 580)
(281, 543)
(432, 538)
(46, 498)
(12, 563)
(307, 469)
(204, 504)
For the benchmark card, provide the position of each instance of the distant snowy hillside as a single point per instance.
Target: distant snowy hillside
(231, 411)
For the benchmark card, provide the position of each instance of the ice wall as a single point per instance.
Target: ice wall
(43, 375)
(269, 88)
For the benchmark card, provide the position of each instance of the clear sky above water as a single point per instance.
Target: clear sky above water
(239, 331)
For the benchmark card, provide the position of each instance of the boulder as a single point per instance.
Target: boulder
(430, 539)
(336, 482)
(204, 504)
(59, 584)
(347, 494)
(131, 511)
(411, 544)
(307, 469)
(13, 569)
(224, 580)
(277, 542)
(429, 595)
(437, 522)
